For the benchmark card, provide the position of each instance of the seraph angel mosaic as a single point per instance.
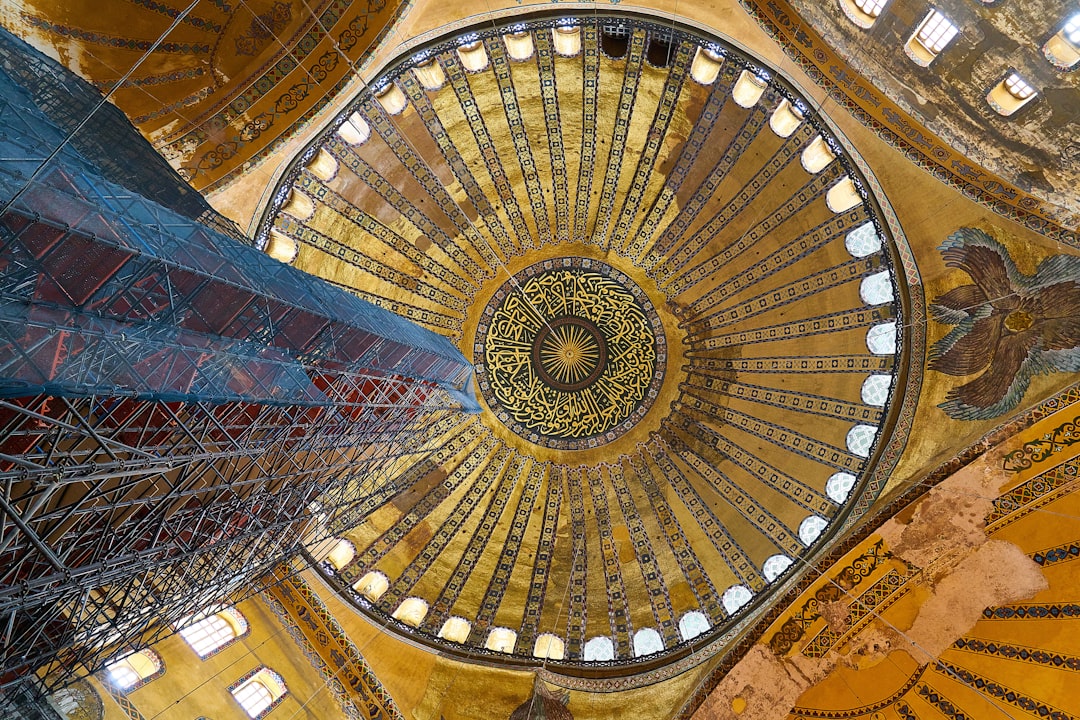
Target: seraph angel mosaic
(1009, 326)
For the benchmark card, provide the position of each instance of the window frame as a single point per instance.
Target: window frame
(933, 39)
(1003, 101)
(236, 623)
(925, 46)
(1018, 87)
(254, 677)
(861, 16)
(110, 681)
(1061, 49)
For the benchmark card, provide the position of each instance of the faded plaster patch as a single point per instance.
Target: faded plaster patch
(873, 645)
(764, 686)
(949, 522)
(996, 573)
(837, 614)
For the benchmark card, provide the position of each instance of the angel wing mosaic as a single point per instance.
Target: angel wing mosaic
(1008, 326)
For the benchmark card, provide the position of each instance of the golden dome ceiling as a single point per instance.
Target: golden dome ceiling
(679, 296)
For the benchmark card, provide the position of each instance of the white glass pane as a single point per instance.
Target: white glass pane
(549, 646)
(501, 640)
(839, 487)
(860, 438)
(208, 634)
(863, 241)
(881, 339)
(876, 289)
(411, 611)
(693, 624)
(599, 649)
(875, 390)
(936, 32)
(811, 527)
(455, 629)
(775, 566)
(122, 675)
(253, 697)
(871, 7)
(735, 597)
(1072, 29)
(647, 642)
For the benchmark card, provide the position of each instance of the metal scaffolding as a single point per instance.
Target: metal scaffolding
(178, 411)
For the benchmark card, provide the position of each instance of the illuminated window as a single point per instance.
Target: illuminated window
(863, 241)
(860, 439)
(391, 98)
(1071, 31)
(735, 597)
(549, 646)
(135, 670)
(501, 639)
(693, 624)
(372, 585)
(775, 566)
(259, 692)
(875, 390)
(810, 528)
(877, 288)
(281, 247)
(354, 130)
(843, 196)
(748, 89)
(430, 74)
(1063, 49)
(785, 120)
(455, 629)
(1018, 87)
(341, 554)
(881, 339)
(863, 12)
(300, 206)
(935, 32)
(411, 611)
(871, 7)
(839, 487)
(1011, 94)
(817, 156)
(323, 166)
(212, 633)
(646, 642)
(599, 649)
(473, 56)
(706, 65)
(567, 39)
(519, 45)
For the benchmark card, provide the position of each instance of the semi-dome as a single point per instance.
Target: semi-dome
(678, 290)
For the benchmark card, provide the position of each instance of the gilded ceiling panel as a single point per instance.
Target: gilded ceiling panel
(215, 86)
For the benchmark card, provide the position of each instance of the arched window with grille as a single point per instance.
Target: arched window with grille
(215, 632)
(134, 670)
(259, 692)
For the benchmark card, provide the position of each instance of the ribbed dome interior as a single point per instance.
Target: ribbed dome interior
(490, 187)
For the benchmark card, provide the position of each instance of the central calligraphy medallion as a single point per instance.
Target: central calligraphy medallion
(573, 353)
(569, 353)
